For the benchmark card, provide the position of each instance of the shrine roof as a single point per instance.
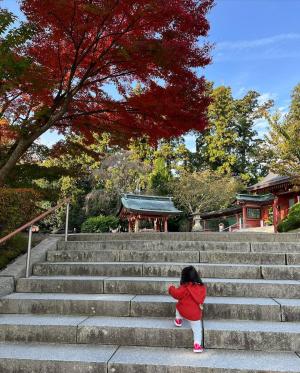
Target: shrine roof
(220, 213)
(270, 180)
(258, 198)
(149, 204)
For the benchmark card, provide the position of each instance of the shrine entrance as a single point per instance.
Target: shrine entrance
(156, 210)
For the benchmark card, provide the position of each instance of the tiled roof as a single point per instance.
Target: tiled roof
(270, 180)
(151, 204)
(255, 197)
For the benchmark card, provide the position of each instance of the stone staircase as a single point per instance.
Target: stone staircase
(99, 304)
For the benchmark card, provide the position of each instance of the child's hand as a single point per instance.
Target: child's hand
(201, 307)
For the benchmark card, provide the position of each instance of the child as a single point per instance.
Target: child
(190, 296)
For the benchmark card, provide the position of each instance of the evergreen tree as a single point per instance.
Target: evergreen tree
(284, 139)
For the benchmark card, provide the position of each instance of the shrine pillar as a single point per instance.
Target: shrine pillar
(165, 224)
(244, 216)
(275, 214)
(136, 225)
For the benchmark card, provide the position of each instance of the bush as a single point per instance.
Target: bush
(17, 207)
(99, 224)
(16, 246)
(292, 221)
(12, 249)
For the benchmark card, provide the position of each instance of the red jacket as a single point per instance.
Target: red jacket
(190, 297)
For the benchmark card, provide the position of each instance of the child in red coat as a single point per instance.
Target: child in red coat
(190, 296)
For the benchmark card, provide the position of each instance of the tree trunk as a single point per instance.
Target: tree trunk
(20, 148)
(24, 143)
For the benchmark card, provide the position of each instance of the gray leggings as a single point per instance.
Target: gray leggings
(196, 328)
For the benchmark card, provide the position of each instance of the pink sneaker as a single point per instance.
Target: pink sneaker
(198, 348)
(178, 322)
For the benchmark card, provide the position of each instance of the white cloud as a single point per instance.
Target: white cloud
(262, 127)
(266, 97)
(256, 43)
(274, 47)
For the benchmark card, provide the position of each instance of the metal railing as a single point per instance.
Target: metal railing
(30, 226)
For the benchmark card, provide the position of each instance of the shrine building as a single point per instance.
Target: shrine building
(156, 210)
(265, 203)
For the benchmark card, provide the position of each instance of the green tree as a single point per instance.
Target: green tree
(284, 139)
(216, 145)
(248, 145)
(204, 191)
(230, 144)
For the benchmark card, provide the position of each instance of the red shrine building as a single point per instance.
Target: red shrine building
(155, 210)
(266, 203)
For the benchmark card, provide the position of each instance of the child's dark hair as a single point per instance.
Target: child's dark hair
(190, 274)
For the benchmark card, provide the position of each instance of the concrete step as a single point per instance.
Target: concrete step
(169, 360)
(171, 256)
(66, 304)
(157, 285)
(147, 306)
(140, 331)
(252, 335)
(39, 328)
(60, 358)
(123, 256)
(230, 334)
(150, 245)
(188, 236)
(174, 360)
(272, 272)
(49, 358)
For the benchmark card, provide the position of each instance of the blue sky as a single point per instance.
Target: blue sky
(257, 46)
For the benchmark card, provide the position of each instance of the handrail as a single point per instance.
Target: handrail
(35, 220)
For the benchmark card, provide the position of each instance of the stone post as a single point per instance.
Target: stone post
(197, 226)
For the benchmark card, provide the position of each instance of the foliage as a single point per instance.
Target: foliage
(12, 249)
(230, 144)
(160, 177)
(284, 139)
(292, 221)
(204, 191)
(100, 202)
(79, 48)
(121, 172)
(100, 224)
(17, 207)
(15, 247)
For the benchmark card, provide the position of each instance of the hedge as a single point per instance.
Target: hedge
(17, 206)
(292, 221)
(99, 224)
(11, 249)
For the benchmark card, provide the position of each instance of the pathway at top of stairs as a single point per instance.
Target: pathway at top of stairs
(100, 304)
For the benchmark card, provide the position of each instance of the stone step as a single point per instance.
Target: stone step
(49, 358)
(151, 332)
(170, 360)
(39, 328)
(157, 285)
(60, 358)
(252, 335)
(272, 272)
(154, 245)
(171, 256)
(123, 256)
(66, 304)
(147, 306)
(188, 236)
(163, 245)
(138, 331)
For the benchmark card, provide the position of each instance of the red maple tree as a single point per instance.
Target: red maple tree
(82, 50)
